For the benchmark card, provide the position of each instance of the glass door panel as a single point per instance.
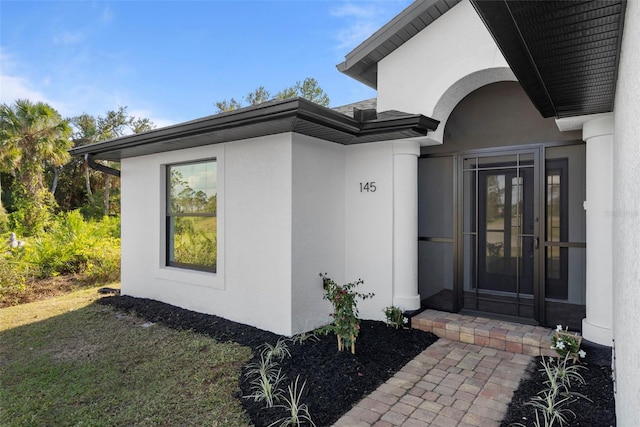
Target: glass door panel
(564, 235)
(499, 239)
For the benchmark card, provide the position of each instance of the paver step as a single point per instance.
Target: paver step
(502, 335)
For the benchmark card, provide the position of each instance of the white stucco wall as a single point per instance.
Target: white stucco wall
(318, 228)
(369, 224)
(450, 58)
(626, 223)
(289, 208)
(252, 284)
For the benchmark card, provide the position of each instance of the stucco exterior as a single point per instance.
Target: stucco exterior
(289, 207)
(293, 206)
(433, 71)
(626, 223)
(254, 251)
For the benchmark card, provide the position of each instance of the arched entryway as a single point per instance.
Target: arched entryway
(501, 223)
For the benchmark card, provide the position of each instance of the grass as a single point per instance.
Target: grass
(66, 361)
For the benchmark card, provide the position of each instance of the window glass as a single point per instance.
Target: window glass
(192, 215)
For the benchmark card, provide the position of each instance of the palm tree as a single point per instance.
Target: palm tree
(33, 136)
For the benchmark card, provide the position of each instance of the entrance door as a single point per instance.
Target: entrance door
(500, 233)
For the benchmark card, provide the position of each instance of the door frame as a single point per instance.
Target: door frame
(459, 234)
(542, 304)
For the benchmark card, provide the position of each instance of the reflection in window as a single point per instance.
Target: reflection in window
(516, 216)
(495, 223)
(192, 215)
(553, 223)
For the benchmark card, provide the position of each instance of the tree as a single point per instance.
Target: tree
(225, 105)
(308, 89)
(258, 96)
(33, 138)
(88, 129)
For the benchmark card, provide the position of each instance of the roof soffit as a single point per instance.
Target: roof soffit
(564, 53)
(362, 62)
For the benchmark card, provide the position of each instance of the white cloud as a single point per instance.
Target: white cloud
(107, 15)
(13, 88)
(359, 11)
(362, 19)
(68, 37)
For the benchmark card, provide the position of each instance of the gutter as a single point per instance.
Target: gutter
(273, 117)
(100, 167)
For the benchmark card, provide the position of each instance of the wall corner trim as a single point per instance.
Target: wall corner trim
(411, 148)
(567, 124)
(600, 126)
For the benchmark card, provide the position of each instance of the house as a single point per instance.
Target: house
(498, 174)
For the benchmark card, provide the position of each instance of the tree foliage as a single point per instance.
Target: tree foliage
(35, 166)
(33, 138)
(37, 175)
(94, 192)
(308, 89)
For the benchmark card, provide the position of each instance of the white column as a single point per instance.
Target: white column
(597, 326)
(405, 225)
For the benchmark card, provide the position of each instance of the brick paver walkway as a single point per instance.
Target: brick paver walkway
(451, 383)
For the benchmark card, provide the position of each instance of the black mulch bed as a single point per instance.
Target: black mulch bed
(598, 387)
(335, 381)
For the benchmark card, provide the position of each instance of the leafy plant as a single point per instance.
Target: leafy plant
(267, 378)
(303, 337)
(395, 317)
(277, 351)
(551, 403)
(565, 343)
(346, 325)
(70, 245)
(298, 413)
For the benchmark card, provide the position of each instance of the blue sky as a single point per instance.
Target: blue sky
(171, 60)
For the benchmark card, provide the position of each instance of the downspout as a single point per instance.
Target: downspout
(100, 167)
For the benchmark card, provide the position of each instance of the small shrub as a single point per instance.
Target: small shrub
(395, 317)
(70, 245)
(13, 276)
(565, 343)
(346, 325)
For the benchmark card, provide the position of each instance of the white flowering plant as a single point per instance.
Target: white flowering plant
(566, 344)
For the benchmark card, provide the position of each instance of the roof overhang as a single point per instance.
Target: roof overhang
(270, 118)
(362, 63)
(565, 54)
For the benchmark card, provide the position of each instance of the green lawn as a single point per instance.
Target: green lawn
(66, 361)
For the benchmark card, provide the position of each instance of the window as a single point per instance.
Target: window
(191, 217)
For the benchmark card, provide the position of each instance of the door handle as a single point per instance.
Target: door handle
(536, 242)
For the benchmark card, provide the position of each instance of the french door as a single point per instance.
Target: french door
(500, 237)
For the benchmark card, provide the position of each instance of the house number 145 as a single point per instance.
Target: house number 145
(368, 187)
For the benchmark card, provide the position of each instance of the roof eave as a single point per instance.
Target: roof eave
(295, 115)
(534, 38)
(362, 62)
